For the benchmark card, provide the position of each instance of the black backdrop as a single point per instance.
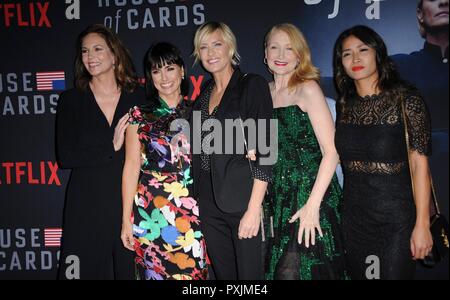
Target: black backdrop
(39, 37)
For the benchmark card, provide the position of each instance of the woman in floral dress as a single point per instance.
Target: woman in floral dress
(162, 226)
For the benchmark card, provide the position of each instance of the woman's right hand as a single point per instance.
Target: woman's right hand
(251, 155)
(309, 217)
(119, 132)
(127, 235)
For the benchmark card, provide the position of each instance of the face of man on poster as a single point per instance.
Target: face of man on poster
(432, 16)
(433, 19)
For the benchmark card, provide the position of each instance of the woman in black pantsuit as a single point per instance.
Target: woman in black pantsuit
(230, 193)
(91, 120)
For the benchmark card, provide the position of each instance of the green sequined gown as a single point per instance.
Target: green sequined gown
(294, 175)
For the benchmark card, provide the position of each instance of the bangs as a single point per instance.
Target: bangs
(160, 62)
(157, 57)
(162, 55)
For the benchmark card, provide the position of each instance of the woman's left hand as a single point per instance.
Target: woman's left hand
(249, 226)
(309, 216)
(421, 242)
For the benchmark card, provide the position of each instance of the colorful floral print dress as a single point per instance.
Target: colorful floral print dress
(169, 244)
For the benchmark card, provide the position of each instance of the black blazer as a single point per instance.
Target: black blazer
(248, 97)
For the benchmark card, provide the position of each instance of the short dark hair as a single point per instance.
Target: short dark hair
(389, 81)
(420, 4)
(124, 69)
(157, 56)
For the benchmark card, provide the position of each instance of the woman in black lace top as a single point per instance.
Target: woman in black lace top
(385, 231)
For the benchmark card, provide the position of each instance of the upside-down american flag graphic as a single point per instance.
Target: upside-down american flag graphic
(51, 81)
(52, 237)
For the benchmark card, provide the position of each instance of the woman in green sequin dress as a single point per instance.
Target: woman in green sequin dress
(305, 197)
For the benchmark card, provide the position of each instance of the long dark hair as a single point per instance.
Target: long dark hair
(420, 4)
(124, 69)
(157, 56)
(389, 82)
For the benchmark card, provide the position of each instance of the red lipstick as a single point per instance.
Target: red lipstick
(357, 68)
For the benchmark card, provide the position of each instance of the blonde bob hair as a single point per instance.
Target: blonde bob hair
(228, 36)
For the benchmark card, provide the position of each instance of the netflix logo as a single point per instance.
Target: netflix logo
(30, 173)
(196, 83)
(33, 14)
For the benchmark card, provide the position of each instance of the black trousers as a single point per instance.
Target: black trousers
(231, 258)
(97, 263)
(92, 225)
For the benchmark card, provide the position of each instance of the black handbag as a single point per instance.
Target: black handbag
(438, 222)
(439, 230)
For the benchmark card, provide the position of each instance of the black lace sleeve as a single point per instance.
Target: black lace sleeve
(419, 125)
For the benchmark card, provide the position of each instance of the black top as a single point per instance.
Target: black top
(371, 136)
(209, 119)
(427, 70)
(83, 136)
(246, 97)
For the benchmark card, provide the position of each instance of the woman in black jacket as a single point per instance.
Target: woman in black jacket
(91, 121)
(230, 190)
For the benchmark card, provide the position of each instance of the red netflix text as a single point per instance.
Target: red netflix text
(33, 14)
(32, 173)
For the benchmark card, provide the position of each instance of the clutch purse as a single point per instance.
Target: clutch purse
(439, 231)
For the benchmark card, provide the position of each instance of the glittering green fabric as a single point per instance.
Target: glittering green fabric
(294, 175)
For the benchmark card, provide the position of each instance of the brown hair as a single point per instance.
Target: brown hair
(389, 80)
(124, 70)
